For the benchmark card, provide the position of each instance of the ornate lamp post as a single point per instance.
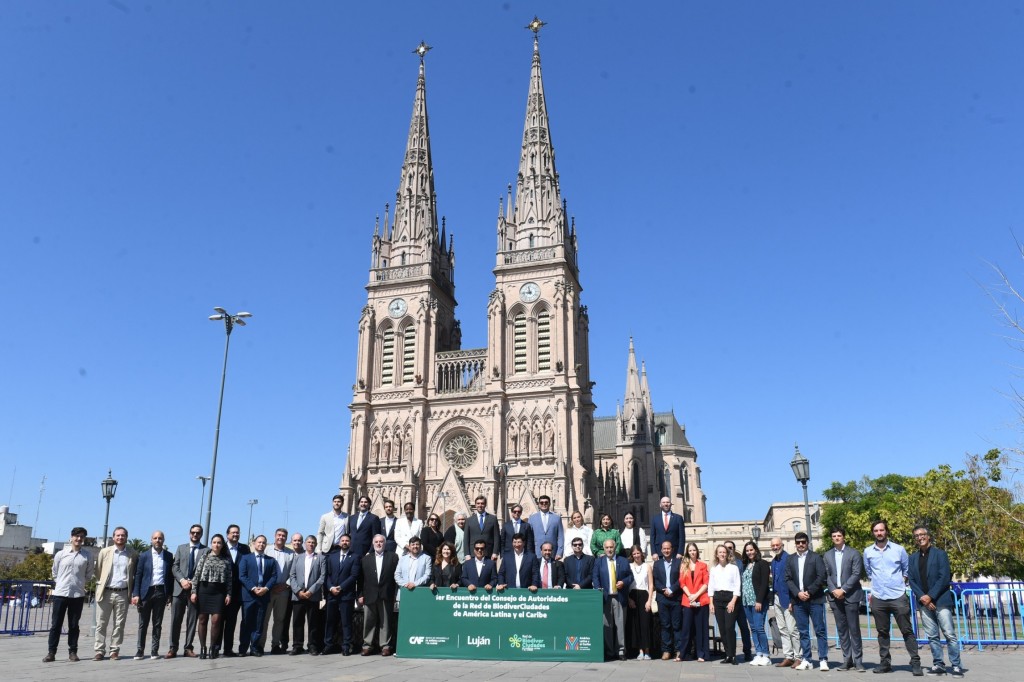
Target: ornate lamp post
(229, 323)
(109, 487)
(802, 471)
(755, 533)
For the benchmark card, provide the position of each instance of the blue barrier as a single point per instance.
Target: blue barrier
(24, 606)
(990, 613)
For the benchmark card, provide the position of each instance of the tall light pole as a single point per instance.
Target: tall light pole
(109, 487)
(801, 467)
(251, 504)
(202, 497)
(229, 323)
(755, 534)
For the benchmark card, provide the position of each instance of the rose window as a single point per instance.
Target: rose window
(461, 451)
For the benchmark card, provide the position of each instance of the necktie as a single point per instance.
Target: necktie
(544, 576)
(343, 555)
(259, 561)
(481, 522)
(191, 562)
(611, 575)
(666, 521)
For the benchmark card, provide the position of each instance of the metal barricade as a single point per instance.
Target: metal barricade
(990, 613)
(24, 606)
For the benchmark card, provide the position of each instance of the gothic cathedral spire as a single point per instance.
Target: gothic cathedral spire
(412, 238)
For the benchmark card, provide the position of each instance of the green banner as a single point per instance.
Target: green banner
(514, 625)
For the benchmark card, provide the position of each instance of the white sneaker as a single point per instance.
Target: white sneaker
(756, 661)
(803, 665)
(640, 656)
(765, 660)
(647, 657)
(823, 665)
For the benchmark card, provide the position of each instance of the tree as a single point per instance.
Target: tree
(138, 544)
(37, 567)
(968, 516)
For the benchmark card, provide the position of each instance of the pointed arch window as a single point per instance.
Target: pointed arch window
(519, 344)
(543, 341)
(636, 481)
(531, 240)
(665, 482)
(408, 354)
(684, 483)
(387, 358)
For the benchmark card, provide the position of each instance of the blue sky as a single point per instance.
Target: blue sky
(790, 206)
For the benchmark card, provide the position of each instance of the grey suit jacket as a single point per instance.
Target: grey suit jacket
(180, 566)
(297, 579)
(852, 572)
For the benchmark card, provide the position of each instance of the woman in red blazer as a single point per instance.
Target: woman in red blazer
(693, 578)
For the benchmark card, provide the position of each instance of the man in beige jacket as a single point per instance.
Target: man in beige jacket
(115, 570)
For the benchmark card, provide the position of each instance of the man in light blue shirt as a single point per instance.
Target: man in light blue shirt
(885, 564)
(414, 568)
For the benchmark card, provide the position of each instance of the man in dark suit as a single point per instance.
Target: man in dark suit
(550, 571)
(481, 525)
(669, 595)
(547, 527)
(186, 558)
(613, 577)
(579, 567)
(236, 550)
(386, 526)
(152, 590)
(805, 578)
(306, 581)
(518, 567)
(341, 577)
(514, 525)
(362, 526)
(929, 574)
(258, 574)
(378, 589)
(480, 571)
(845, 567)
(670, 526)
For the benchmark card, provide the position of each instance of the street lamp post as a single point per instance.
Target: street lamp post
(202, 497)
(755, 533)
(229, 323)
(802, 471)
(109, 487)
(251, 504)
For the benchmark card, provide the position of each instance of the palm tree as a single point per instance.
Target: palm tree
(138, 544)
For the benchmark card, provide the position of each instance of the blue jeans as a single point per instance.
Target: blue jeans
(807, 613)
(933, 621)
(756, 621)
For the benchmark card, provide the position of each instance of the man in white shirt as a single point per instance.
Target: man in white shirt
(407, 528)
(332, 525)
(72, 569)
(280, 596)
(116, 568)
(387, 526)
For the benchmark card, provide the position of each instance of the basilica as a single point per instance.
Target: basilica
(436, 424)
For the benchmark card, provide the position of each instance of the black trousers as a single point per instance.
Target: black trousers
(726, 621)
(306, 616)
(152, 609)
(339, 611)
(230, 617)
(899, 608)
(71, 607)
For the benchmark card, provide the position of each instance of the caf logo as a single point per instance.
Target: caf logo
(416, 640)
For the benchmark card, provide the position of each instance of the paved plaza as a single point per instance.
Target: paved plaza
(21, 659)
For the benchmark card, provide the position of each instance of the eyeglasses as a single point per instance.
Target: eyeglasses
(577, 544)
(195, 532)
(801, 542)
(479, 549)
(920, 535)
(517, 511)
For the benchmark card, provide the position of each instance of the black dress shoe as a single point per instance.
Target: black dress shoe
(882, 669)
(346, 652)
(622, 657)
(275, 650)
(229, 654)
(256, 652)
(294, 652)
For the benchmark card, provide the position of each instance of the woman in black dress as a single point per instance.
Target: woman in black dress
(431, 536)
(447, 570)
(211, 591)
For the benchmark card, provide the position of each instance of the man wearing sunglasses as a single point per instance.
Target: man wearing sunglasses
(480, 571)
(805, 578)
(186, 558)
(515, 524)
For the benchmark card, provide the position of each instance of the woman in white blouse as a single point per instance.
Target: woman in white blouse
(577, 529)
(632, 536)
(724, 590)
(638, 617)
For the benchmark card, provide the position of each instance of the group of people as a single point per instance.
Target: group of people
(310, 589)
